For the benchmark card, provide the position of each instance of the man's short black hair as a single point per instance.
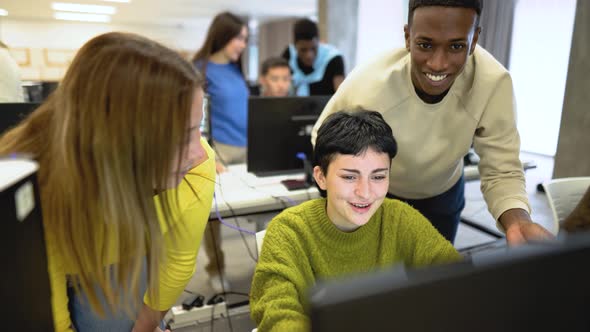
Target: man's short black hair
(273, 62)
(305, 29)
(352, 133)
(472, 4)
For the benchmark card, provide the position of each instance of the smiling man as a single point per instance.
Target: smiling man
(318, 68)
(440, 94)
(354, 229)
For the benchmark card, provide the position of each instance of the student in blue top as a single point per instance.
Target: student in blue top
(318, 69)
(220, 60)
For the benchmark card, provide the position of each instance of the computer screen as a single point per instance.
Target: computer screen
(539, 287)
(24, 286)
(278, 129)
(12, 113)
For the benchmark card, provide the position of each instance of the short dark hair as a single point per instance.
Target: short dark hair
(305, 29)
(352, 133)
(273, 62)
(472, 4)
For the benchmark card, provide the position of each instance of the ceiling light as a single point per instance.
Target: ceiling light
(82, 17)
(3, 12)
(76, 7)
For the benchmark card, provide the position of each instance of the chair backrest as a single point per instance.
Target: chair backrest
(259, 240)
(563, 196)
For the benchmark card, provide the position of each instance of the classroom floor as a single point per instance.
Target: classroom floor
(241, 252)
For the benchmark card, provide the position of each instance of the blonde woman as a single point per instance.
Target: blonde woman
(126, 182)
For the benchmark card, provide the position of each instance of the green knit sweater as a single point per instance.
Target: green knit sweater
(302, 245)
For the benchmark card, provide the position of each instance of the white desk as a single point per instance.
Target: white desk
(240, 193)
(476, 211)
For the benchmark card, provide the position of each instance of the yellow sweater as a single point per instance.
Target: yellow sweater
(185, 232)
(433, 138)
(302, 245)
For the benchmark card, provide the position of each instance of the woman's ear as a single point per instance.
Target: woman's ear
(319, 177)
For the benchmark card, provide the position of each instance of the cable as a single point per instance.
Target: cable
(279, 198)
(221, 278)
(237, 227)
(232, 293)
(234, 217)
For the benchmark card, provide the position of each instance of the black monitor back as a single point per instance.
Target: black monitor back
(24, 287)
(279, 129)
(12, 113)
(533, 288)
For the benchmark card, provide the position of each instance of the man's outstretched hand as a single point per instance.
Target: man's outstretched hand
(521, 229)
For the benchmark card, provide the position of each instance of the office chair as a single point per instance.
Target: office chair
(563, 196)
(259, 240)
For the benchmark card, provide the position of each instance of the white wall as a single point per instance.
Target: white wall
(541, 43)
(380, 27)
(72, 35)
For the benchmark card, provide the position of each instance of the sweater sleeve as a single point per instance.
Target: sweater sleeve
(280, 283)
(422, 245)
(183, 238)
(335, 67)
(497, 143)
(58, 283)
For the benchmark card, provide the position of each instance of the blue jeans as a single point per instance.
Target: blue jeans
(85, 319)
(444, 210)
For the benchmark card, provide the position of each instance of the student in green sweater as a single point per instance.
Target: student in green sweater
(354, 229)
(441, 94)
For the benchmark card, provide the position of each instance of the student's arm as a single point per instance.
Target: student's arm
(58, 283)
(520, 228)
(497, 143)
(335, 71)
(420, 243)
(279, 287)
(285, 55)
(337, 80)
(182, 237)
(148, 319)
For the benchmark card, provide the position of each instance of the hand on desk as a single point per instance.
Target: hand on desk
(521, 229)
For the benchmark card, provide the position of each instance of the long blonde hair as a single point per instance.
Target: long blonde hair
(105, 141)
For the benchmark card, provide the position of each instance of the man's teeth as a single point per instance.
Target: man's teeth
(360, 205)
(436, 78)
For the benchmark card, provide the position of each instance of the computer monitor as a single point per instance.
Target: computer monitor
(278, 129)
(24, 286)
(540, 287)
(12, 113)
